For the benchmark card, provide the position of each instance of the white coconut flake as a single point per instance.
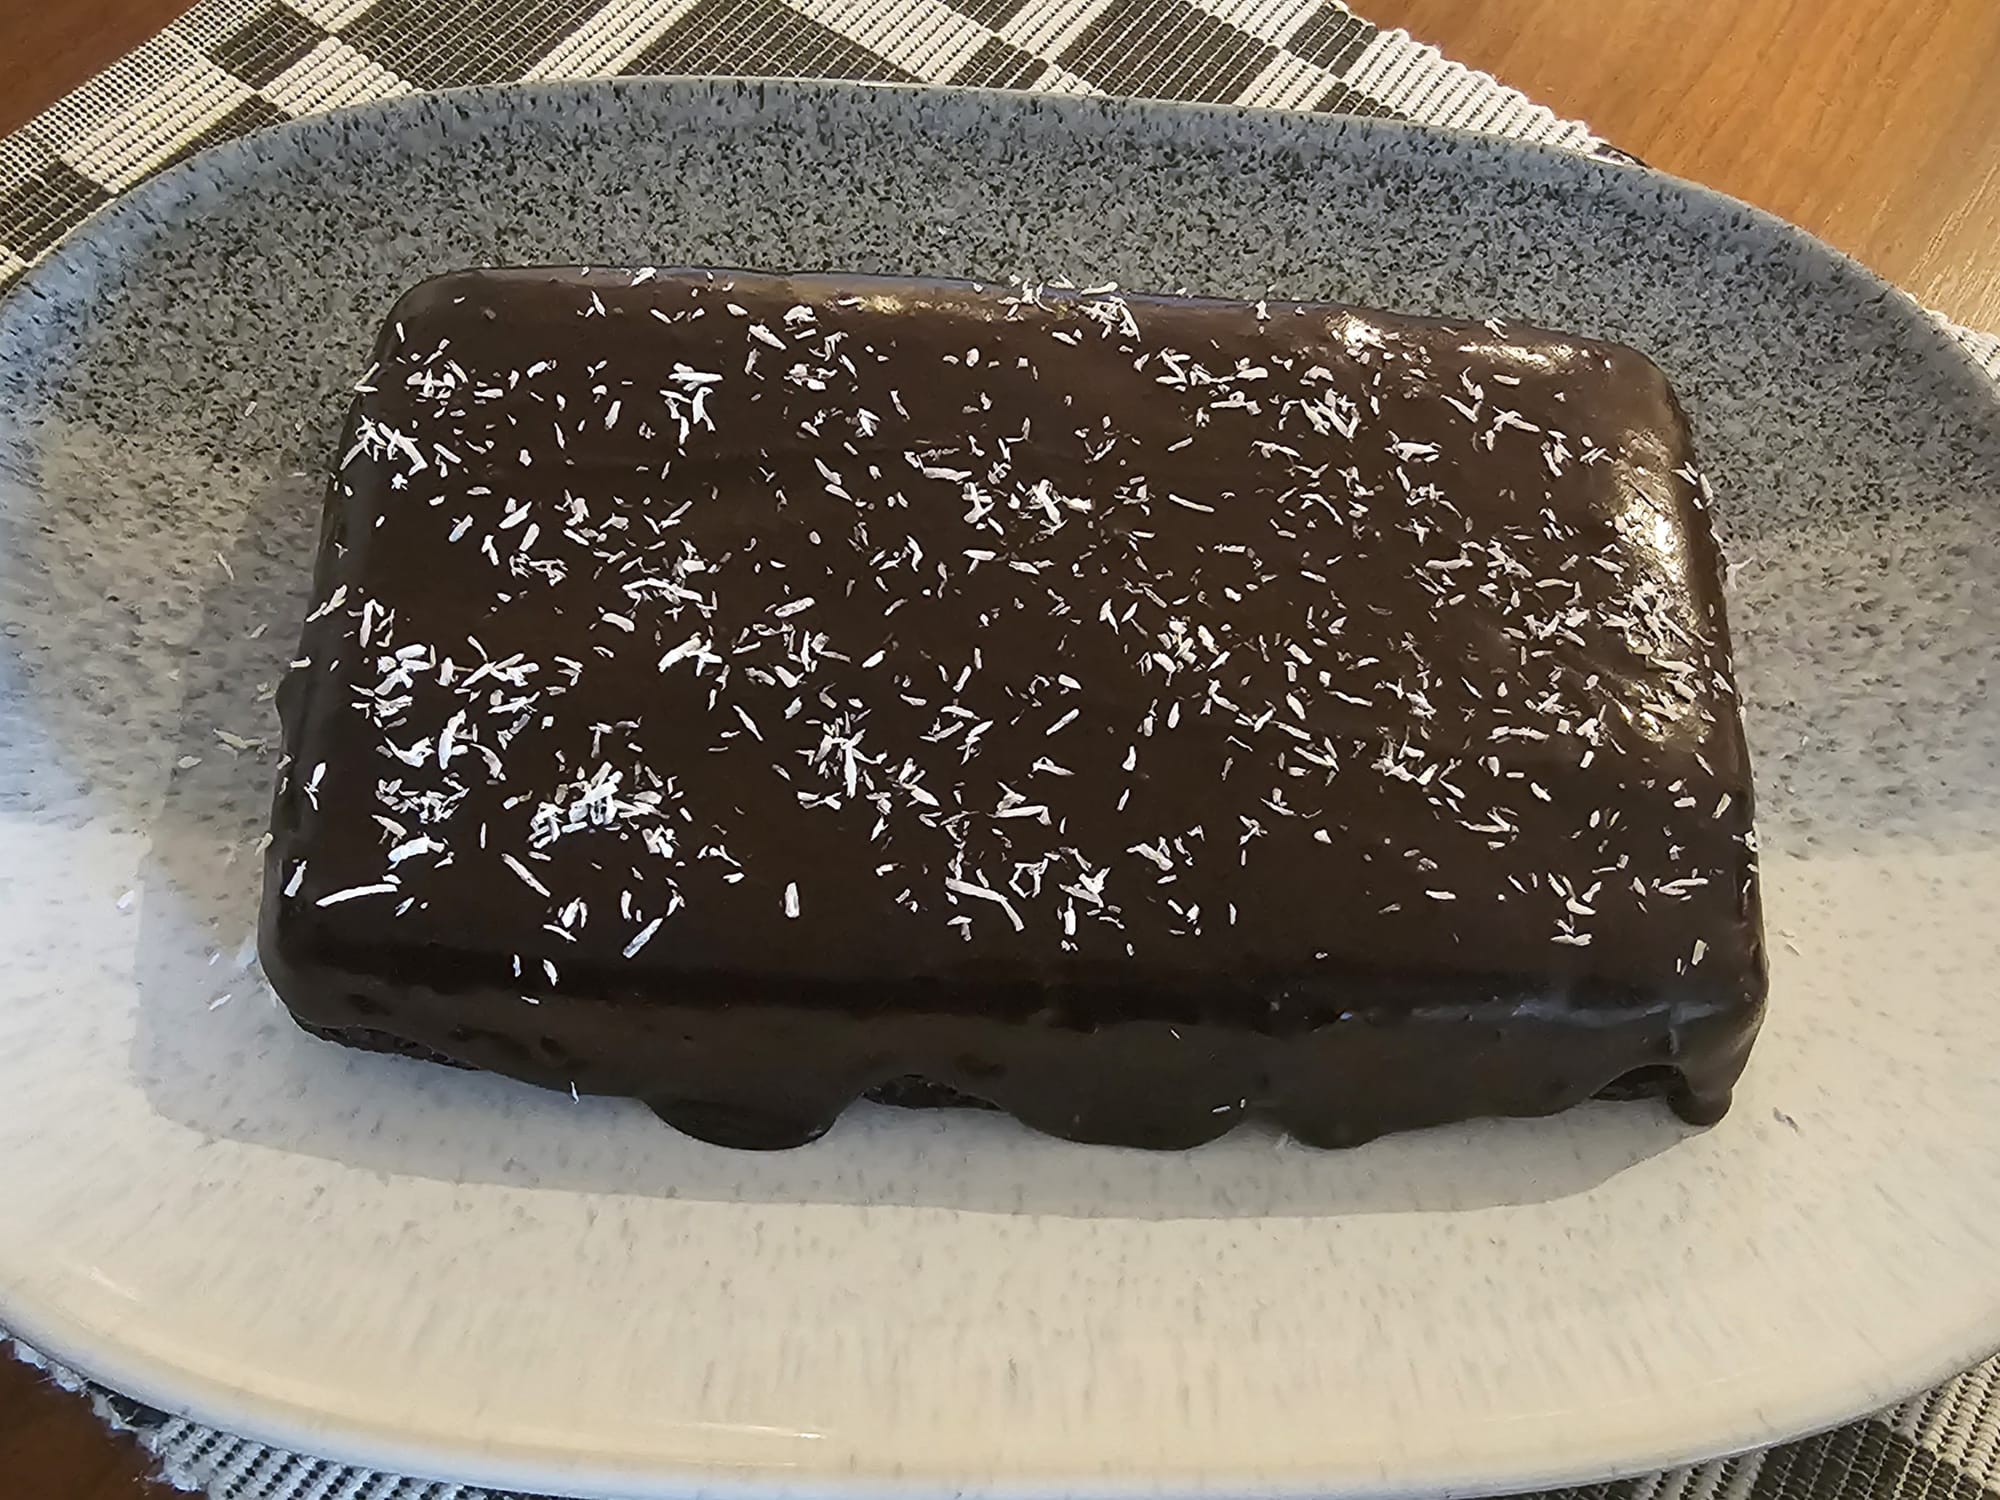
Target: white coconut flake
(986, 893)
(642, 937)
(692, 646)
(410, 849)
(527, 875)
(353, 892)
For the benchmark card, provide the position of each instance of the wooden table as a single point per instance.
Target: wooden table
(1876, 126)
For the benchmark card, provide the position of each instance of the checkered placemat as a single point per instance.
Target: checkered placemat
(230, 66)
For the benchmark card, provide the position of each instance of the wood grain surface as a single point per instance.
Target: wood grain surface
(48, 47)
(52, 1447)
(1874, 124)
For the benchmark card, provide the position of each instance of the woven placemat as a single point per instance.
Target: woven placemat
(230, 66)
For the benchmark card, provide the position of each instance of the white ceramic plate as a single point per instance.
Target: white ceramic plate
(456, 1276)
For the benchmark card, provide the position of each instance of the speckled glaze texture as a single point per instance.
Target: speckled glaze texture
(454, 1274)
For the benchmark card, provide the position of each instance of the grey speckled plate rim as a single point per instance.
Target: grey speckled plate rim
(131, 210)
(67, 278)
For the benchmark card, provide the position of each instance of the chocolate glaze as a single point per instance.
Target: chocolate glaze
(743, 693)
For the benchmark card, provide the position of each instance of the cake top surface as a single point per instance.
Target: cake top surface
(711, 623)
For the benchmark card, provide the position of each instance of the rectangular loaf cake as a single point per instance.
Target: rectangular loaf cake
(745, 693)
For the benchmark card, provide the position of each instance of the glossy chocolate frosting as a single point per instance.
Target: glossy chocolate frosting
(746, 692)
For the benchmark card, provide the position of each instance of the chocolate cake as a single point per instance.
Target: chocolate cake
(746, 693)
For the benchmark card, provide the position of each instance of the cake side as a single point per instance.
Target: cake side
(739, 692)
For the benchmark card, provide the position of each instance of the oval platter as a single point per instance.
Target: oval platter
(455, 1276)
